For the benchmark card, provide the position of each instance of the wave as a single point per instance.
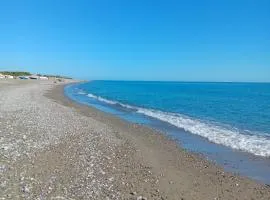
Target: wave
(82, 93)
(111, 102)
(233, 138)
(102, 99)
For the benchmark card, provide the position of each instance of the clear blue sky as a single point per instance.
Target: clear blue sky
(195, 40)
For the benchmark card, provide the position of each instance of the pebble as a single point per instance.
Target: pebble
(133, 193)
(141, 198)
(25, 189)
(3, 184)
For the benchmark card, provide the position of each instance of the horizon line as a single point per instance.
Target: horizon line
(186, 81)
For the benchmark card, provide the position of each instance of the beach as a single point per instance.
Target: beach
(54, 148)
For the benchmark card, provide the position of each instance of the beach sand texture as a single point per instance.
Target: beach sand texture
(53, 148)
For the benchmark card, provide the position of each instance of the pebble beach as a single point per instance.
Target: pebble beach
(54, 148)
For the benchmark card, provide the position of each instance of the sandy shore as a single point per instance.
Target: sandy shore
(53, 148)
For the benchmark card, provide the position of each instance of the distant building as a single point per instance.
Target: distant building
(6, 76)
(37, 77)
(43, 78)
(9, 77)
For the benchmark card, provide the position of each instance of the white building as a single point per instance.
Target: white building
(9, 77)
(2, 76)
(43, 78)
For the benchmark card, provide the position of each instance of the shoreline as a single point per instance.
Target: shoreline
(231, 159)
(73, 151)
(159, 142)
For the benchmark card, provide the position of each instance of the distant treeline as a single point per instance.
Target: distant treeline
(29, 74)
(56, 76)
(16, 73)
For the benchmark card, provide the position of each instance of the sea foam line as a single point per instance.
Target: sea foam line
(255, 144)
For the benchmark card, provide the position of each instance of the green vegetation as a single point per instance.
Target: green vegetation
(65, 77)
(58, 76)
(15, 73)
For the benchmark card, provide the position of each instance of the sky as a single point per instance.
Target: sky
(170, 40)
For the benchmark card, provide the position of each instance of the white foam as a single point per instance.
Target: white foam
(82, 93)
(102, 99)
(255, 144)
(111, 102)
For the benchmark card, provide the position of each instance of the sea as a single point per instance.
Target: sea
(227, 123)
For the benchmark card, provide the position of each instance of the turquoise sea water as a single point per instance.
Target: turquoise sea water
(219, 117)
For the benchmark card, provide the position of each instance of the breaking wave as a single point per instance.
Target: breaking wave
(256, 144)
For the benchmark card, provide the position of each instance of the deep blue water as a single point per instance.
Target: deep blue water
(227, 122)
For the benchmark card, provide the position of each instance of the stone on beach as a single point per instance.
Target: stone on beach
(52, 148)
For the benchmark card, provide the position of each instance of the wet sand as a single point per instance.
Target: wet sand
(54, 148)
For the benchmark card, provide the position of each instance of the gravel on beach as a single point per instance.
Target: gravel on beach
(53, 148)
